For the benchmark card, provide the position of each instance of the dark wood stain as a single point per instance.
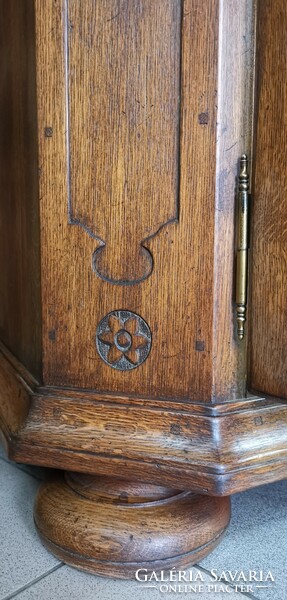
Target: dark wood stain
(268, 298)
(203, 118)
(20, 310)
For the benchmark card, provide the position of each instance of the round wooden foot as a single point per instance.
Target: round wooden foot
(113, 527)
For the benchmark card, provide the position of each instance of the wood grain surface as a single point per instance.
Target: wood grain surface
(124, 121)
(268, 298)
(90, 152)
(183, 415)
(114, 527)
(123, 86)
(213, 449)
(20, 301)
(236, 58)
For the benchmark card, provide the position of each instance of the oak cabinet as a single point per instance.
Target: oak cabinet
(123, 123)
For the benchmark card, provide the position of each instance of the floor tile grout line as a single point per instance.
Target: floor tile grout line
(19, 467)
(225, 581)
(31, 583)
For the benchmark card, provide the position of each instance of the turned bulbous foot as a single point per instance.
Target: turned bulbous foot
(113, 527)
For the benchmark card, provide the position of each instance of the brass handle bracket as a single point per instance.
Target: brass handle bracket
(242, 246)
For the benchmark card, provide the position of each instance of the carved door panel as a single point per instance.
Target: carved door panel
(138, 167)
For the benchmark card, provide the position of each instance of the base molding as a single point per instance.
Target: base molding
(113, 527)
(214, 449)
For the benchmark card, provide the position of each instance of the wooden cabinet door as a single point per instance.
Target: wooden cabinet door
(141, 125)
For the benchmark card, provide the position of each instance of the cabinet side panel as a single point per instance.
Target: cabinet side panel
(268, 301)
(19, 224)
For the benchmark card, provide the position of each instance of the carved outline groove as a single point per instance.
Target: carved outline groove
(136, 337)
(71, 219)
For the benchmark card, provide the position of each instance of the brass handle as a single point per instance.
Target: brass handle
(242, 246)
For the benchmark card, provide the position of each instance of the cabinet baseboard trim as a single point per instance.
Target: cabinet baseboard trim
(216, 450)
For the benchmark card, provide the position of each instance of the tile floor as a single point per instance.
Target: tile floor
(256, 540)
